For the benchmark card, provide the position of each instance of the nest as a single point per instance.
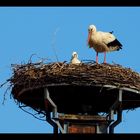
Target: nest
(31, 78)
(35, 75)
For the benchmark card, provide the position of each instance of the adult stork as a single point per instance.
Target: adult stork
(102, 42)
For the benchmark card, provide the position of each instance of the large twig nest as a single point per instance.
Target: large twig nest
(87, 74)
(67, 79)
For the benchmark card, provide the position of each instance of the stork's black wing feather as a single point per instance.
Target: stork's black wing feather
(115, 43)
(111, 32)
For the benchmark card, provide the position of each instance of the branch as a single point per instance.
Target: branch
(21, 107)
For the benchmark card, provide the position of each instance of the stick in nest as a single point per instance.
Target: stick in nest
(54, 42)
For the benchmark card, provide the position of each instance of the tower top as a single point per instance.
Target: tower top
(88, 87)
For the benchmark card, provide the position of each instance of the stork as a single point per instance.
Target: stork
(74, 59)
(102, 42)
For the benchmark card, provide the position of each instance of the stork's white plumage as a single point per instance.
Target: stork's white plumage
(102, 42)
(74, 59)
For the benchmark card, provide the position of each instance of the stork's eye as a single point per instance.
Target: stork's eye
(90, 30)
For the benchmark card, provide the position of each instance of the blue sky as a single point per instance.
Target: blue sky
(39, 30)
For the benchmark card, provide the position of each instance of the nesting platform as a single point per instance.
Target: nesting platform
(86, 88)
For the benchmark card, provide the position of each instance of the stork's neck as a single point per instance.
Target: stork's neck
(93, 32)
(75, 56)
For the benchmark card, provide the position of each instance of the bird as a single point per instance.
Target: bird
(74, 58)
(102, 42)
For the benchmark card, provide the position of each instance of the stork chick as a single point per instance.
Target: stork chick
(74, 59)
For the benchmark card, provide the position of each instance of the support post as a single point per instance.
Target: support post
(66, 127)
(54, 123)
(119, 112)
(119, 119)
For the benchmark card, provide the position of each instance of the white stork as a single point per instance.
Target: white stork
(74, 59)
(102, 42)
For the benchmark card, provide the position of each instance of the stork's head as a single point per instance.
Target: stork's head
(91, 28)
(74, 54)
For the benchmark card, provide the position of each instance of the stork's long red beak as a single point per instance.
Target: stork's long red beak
(89, 35)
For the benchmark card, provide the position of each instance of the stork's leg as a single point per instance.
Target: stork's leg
(96, 57)
(104, 57)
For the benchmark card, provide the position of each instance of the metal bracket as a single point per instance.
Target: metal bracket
(54, 123)
(114, 107)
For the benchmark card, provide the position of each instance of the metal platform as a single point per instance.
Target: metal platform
(81, 105)
(83, 123)
(80, 99)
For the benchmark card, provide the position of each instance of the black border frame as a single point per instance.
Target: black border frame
(69, 3)
(75, 3)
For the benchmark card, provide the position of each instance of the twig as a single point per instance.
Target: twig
(53, 43)
(4, 83)
(21, 107)
(4, 97)
(30, 60)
